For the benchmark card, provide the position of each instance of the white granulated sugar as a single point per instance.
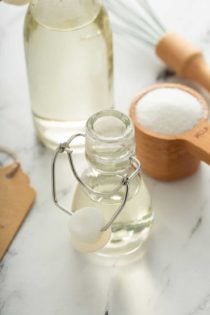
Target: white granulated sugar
(169, 111)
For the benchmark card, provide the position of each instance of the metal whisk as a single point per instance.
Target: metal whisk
(140, 23)
(137, 19)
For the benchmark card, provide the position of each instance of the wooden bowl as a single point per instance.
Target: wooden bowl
(172, 157)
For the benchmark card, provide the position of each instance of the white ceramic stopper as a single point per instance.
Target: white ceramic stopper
(85, 227)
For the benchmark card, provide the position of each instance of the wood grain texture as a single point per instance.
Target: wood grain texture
(181, 56)
(171, 157)
(16, 199)
(198, 141)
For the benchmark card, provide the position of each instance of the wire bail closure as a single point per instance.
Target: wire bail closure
(125, 180)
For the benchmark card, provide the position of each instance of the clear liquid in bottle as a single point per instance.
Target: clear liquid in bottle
(69, 63)
(132, 227)
(109, 147)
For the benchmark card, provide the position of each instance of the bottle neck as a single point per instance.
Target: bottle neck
(109, 142)
(65, 13)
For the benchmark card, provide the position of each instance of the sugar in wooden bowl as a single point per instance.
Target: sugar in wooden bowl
(172, 130)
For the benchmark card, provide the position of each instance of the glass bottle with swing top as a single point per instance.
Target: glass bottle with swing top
(111, 183)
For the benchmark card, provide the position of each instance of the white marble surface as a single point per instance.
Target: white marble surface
(41, 273)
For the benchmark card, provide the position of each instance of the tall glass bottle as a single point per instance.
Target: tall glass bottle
(68, 46)
(109, 145)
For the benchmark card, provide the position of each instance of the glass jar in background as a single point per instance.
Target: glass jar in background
(109, 147)
(68, 47)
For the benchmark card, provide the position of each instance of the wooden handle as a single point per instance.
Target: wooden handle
(198, 141)
(184, 58)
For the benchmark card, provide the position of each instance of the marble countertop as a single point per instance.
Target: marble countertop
(41, 273)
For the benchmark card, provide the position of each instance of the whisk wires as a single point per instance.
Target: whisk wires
(138, 21)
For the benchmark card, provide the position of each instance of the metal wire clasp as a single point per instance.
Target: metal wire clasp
(125, 180)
